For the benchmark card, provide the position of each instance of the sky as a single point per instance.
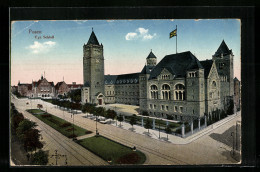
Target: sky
(56, 47)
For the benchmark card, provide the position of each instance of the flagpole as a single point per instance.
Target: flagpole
(176, 39)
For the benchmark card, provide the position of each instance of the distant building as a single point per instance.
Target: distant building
(237, 94)
(37, 89)
(24, 89)
(43, 89)
(14, 88)
(74, 86)
(61, 88)
(179, 86)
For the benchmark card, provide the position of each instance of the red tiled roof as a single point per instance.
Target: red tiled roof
(75, 85)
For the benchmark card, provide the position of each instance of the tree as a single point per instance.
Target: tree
(133, 120)
(40, 158)
(75, 95)
(168, 130)
(230, 109)
(24, 126)
(148, 124)
(32, 140)
(120, 118)
(100, 111)
(39, 106)
(145, 113)
(16, 119)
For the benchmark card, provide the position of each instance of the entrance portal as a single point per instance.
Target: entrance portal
(100, 101)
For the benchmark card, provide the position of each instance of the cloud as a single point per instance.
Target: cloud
(141, 33)
(80, 21)
(147, 37)
(171, 19)
(38, 47)
(110, 20)
(197, 19)
(131, 36)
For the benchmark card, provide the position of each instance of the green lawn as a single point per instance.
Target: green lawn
(56, 123)
(110, 150)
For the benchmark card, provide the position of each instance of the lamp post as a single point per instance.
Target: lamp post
(96, 124)
(159, 127)
(232, 134)
(73, 126)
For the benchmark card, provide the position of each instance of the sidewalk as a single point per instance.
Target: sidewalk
(154, 134)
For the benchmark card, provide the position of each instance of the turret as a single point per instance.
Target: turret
(151, 59)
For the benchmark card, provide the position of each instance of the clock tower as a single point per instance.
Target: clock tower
(93, 90)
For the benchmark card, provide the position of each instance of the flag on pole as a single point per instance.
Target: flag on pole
(173, 33)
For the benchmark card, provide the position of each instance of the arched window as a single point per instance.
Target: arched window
(166, 93)
(179, 92)
(154, 92)
(213, 85)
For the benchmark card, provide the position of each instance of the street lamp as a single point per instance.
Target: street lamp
(232, 134)
(159, 127)
(96, 125)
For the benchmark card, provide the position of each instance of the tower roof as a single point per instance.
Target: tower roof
(151, 55)
(93, 39)
(223, 49)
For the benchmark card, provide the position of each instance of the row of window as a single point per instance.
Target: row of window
(166, 95)
(126, 86)
(192, 74)
(165, 77)
(223, 78)
(110, 98)
(110, 92)
(166, 108)
(127, 81)
(127, 93)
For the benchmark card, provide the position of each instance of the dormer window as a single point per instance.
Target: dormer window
(165, 77)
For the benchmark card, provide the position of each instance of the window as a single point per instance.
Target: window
(192, 74)
(154, 92)
(167, 108)
(193, 111)
(221, 65)
(154, 106)
(165, 77)
(162, 107)
(181, 109)
(179, 92)
(175, 109)
(166, 93)
(151, 106)
(213, 85)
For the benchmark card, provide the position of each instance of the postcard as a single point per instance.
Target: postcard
(125, 92)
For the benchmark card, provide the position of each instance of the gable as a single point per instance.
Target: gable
(213, 71)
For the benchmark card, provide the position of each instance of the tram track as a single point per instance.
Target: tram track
(66, 145)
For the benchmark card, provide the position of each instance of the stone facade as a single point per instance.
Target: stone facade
(93, 72)
(24, 89)
(43, 89)
(237, 94)
(179, 86)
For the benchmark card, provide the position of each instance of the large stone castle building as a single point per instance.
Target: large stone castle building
(179, 86)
